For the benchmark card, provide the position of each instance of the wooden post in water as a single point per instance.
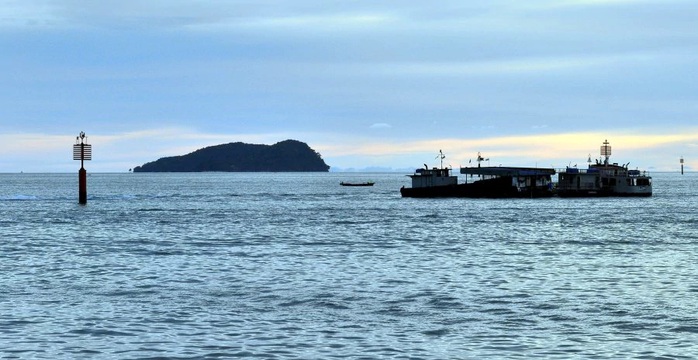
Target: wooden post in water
(82, 152)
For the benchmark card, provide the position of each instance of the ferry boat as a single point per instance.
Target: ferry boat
(492, 182)
(603, 179)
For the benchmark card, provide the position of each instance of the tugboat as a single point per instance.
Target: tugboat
(603, 179)
(494, 182)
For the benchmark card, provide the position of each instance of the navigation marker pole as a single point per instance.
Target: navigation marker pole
(681, 165)
(82, 152)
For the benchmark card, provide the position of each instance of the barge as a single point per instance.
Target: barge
(491, 182)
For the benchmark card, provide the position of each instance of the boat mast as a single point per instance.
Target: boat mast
(442, 157)
(480, 159)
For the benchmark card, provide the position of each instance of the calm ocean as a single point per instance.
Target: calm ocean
(294, 266)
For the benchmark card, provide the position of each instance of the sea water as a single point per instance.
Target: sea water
(294, 266)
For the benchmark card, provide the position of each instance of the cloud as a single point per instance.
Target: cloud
(163, 77)
(518, 65)
(641, 148)
(38, 152)
(326, 22)
(28, 14)
(187, 14)
(599, 2)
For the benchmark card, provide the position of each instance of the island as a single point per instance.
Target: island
(284, 156)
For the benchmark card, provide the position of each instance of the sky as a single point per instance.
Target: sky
(367, 84)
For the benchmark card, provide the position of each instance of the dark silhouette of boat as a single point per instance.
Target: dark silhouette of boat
(603, 179)
(491, 182)
(367, 183)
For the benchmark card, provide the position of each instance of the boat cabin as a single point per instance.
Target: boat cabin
(604, 179)
(522, 178)
(433, 177)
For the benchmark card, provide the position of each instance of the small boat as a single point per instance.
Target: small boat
(492, 182)
(603, 179)
(367, 183)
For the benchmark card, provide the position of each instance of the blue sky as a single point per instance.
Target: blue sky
(365, 83)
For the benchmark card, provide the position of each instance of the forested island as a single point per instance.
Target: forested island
(284, 156)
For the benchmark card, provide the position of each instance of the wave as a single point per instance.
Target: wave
(19, 197)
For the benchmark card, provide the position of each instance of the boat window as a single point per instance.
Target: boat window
(643, 181)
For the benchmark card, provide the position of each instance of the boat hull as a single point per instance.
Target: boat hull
(492, 188)
(600, 193)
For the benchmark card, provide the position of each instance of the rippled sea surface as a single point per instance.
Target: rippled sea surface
(294, 266)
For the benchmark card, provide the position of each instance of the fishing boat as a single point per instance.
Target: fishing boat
(603, 179)
(486, 182)
(367, 183)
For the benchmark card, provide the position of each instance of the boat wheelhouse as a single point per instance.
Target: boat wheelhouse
(603, 179)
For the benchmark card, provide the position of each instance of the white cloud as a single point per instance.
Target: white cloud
(317, 22)
(646, 148)
(511, 66)
(187, 14)
(600, 2)
(380, 126)
(28, 14)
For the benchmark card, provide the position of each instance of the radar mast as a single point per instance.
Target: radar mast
(606, 151)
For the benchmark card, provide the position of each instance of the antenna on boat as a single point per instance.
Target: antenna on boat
(606, 151)
(589, 160)
(442, 156)
(480, 159)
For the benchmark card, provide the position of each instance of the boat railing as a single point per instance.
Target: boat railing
(585, 186)
(643, 173)
(574, 171)
(605, 172)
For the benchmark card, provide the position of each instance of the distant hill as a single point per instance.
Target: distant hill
(284, 156)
